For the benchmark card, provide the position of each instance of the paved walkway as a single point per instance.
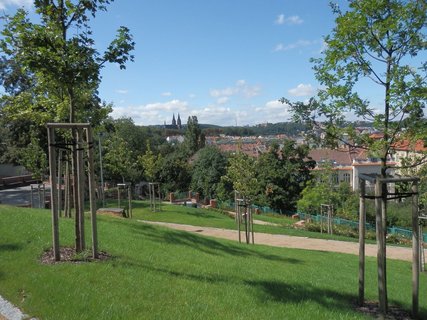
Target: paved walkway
(276, 240)
(22, 196)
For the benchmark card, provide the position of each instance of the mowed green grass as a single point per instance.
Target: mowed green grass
(214, 218)
(158, 273)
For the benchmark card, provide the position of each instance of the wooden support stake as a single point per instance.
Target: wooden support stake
(91, 176)
(59, 182)
(52, 172)
(381, 256)
(252, 226)
(415, 251)
(160, 197)
(75, 191)
(80, 186)
(362, 231)
(130, 201)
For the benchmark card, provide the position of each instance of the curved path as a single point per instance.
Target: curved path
(277, 240)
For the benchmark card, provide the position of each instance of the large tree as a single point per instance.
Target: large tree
(210, 165)
(194, 137)
(282, 174)
(380, 41)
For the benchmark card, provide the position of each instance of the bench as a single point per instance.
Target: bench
(16, 181)
(116, 212)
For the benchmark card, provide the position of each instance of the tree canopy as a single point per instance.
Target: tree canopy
(282, 173)
(50, 69)
(208, 168)
(380, 41)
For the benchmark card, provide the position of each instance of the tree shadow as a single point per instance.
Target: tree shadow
(10, 247)
(204, 244)
(201, 214)
(204, 277)
(295, 293)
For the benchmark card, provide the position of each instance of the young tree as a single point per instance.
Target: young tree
(51, 68)
(118, 160)
(241, 172)
(34, 158)
(379, 41)
(150, 163)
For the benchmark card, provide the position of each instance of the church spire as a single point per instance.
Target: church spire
(178, 122)
(173, 120)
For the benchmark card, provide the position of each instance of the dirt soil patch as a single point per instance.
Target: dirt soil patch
(69, 255)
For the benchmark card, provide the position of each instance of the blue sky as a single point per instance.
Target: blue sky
(225, 61)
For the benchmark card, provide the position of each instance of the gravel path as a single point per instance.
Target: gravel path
(276, 240)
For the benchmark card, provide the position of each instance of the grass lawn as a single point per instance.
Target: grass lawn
(157, 273)
(213, 218)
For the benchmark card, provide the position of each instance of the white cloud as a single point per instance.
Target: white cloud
(273, 111)
(280, 19)
(151, 113)
(122, 91)
(216, 93)
(166, 94)
(222, 100)
(18, 3)
(292, 20)
(295, 45)
(215, 114)
(302, 90)
(240, 88)
(191, 95)
(173, 105)
(240, 83)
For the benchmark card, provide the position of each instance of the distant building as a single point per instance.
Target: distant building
(175, 124)
(348, 163)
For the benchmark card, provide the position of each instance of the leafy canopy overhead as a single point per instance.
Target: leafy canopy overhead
(381, 41)
(52, 68)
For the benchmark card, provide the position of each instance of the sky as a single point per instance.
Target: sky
(225, 61)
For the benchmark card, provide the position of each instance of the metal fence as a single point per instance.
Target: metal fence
(229, 205)
(355, 225)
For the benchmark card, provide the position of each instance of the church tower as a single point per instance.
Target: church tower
(178, 122)
(173, 121)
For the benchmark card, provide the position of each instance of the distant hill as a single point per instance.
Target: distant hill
(290, 129)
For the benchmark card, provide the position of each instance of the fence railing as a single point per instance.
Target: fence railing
(229, 205)
(355, 225)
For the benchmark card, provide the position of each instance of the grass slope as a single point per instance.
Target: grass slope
(157, 273)
(213, 218)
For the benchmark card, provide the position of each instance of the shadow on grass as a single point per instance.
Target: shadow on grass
(140, 204)
(203, 244)
(200, 214)
(295, 293)
(201, 277)
(10, 247)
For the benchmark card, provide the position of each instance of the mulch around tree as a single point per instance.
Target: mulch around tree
(372, 309)
(69, 255)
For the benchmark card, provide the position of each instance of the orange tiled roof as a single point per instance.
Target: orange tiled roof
(406, 145)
